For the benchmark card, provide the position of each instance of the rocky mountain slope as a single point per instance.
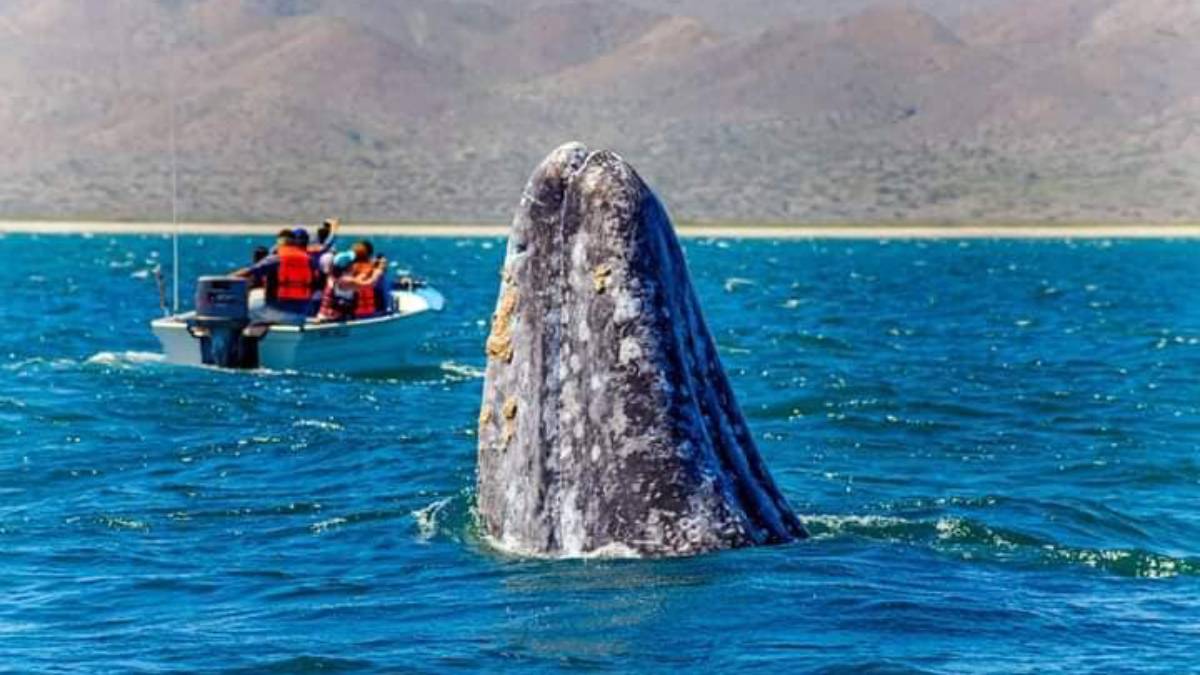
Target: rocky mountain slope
(1001, 110)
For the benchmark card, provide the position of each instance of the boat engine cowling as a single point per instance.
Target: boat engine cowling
(222, 315)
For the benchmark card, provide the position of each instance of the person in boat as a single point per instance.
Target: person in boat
(287, 276)
(322, 251)
(259, 253)
(326, 234)
(326, 238)
(365, 263)
(341, 299)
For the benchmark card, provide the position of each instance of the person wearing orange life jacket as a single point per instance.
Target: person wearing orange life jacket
(287, 276)
(373, 300)
(340, 301)
(322, 254)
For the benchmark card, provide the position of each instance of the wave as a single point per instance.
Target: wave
(114, 522)
(428, 517)
(444, 373)
(328, 524)
(447, 372)
(322, 425)
(39, 362)
(732, 284)
(454, 518)
(127, 359)
(971, 540)
(461, 371)
(450, 518)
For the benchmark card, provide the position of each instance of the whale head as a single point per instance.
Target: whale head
(608, 425)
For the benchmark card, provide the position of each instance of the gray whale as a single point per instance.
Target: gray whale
(608, 426)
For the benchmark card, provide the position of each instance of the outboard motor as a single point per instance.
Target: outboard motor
(222, 315)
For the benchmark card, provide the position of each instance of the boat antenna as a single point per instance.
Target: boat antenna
(174, 183)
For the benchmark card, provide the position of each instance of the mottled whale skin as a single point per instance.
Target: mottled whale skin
(608, 426)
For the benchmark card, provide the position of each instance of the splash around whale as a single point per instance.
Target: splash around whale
(608, 426)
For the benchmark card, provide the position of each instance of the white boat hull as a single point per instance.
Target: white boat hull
(380, 344)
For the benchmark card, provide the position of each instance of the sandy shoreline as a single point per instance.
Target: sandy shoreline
(900, 231)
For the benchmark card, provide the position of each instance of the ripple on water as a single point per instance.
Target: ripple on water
(996, 450)
(974, 541)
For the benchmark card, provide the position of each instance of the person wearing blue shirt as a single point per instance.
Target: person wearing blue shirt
(287, 278)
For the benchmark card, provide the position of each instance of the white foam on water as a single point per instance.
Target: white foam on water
(130, 358)
(462, 370)
(326, 425)
(835, 525)
(326, 525)
(427, 519)
(55, 364)
(123, 523)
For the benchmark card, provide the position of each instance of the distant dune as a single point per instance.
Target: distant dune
(777, 110)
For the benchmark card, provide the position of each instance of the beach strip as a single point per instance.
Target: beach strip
(699, 230)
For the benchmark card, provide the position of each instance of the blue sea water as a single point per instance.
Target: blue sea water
(996, 446)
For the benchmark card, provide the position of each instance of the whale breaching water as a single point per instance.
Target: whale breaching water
(608, 427)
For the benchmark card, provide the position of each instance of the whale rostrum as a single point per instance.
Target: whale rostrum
(608, 426)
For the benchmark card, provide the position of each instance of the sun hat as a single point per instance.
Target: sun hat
(343, 260)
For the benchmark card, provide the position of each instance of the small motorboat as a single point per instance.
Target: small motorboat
(218, 333)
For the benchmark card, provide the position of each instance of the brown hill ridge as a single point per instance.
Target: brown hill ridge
(767, 110)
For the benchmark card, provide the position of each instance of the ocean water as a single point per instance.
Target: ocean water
(996, 446)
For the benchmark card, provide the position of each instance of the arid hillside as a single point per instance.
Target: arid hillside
(956, 110)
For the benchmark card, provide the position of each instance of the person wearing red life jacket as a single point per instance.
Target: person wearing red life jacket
(322, 252)
(371, 301)
(287, 276)
(341, 299)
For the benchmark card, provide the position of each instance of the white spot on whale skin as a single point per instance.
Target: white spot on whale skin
(630, 351)
(619, 423)
(626, 308)
(511, 545)
(571, 530)
(614, 550)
